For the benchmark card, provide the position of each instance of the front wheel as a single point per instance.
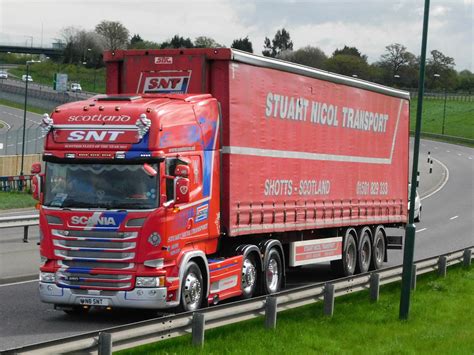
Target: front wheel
(192, 288)
(273, 272)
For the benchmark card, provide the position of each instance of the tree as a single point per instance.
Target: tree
(349, 65)
(136, 42)
(280, 42)
(350, 51)
(114, 33)
(243, 44)
(81, 47)
(178, 42)
(398, 66)
(310, 56)
(443, 66)
(466, 81)
(206, 42)
(135, 39)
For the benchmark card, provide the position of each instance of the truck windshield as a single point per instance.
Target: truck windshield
(100, 186)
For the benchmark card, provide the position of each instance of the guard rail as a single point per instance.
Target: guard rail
(20, 221)
(149, 331)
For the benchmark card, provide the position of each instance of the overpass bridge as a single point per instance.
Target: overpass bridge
(52, 52)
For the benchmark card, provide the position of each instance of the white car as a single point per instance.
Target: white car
(418, 206)
(76, 87)
(26, 77)
(3, 74)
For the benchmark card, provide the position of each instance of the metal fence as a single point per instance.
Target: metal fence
(15, 183)
(11, 141)
(195, 323)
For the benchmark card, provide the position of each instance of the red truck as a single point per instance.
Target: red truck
(205, 174)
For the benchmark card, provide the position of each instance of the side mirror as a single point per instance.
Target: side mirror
(182, 170)
(36, 182)
(181, 190)
(36, 168)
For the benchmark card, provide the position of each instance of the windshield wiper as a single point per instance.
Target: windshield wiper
(132, 205)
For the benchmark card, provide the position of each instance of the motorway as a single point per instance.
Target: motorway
(446, 225)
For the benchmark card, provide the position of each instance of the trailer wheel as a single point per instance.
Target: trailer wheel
(192, 290)
(378, 250)
(346, 265)
(364, 251)
(273, 272)
(249, 276)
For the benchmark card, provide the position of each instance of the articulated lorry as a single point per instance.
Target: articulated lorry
(205, 174)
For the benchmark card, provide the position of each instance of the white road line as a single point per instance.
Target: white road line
(470, 158)
(19, 283)
(448, 151)
(460, 154)
(436, 148)
(444, 182)
(453, 217)
(421, 230)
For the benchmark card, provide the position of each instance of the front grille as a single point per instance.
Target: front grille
(86, 256)
(92, 280)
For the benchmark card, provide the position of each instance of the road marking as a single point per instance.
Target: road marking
(421, 230)
(444, 182)
(453, 217)
(436, 148)
(448, 151)
(470, 158)
(460, 154)
(19, 283)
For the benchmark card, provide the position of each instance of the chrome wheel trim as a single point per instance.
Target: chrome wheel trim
(249, 276)
(379, 250)
(192, 292)
(365, 252)
(350, 260)
(272, 275)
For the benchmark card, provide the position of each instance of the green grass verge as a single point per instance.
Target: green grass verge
(92, 80)
(441, 321)
(22, 106)
(459, 119)
(9, 200)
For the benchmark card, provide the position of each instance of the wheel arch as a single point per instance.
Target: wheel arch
(200, 259)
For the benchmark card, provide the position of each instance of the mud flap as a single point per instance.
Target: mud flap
(395, 242)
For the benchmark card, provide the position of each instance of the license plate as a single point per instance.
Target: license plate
(93, 301)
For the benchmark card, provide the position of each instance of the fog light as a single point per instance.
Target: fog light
(152, 292)
(48, 277)
(50, 288)
(139, 292)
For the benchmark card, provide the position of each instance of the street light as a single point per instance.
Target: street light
(24, 112)
(444, 109)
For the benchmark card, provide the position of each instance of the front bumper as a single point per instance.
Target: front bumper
(146, 298)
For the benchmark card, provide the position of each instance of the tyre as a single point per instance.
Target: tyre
(249, 276)
(364, 252)
(346, 265)
(76, 311)
(272, 272)
(192, 288)
(378, 250)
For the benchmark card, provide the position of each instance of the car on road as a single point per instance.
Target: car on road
(3, 74)
(25, 77)
(418, 207)
(75, 87)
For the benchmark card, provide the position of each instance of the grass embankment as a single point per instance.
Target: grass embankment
(441, 321)
(9, 200)
(459, 119)
(22, 106)
(92, 80)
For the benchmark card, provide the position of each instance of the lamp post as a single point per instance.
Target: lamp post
(444, 108)
(24, 112)
(397, 78)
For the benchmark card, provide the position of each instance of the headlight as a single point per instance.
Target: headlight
(150, 281)
(48, 277)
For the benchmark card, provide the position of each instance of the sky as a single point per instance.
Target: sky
(369, 25)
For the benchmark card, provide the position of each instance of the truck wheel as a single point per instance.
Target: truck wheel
(192, 290)
(273, 272)
(346, 265)
(378, 250)
(364, 252)
(249, 276)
